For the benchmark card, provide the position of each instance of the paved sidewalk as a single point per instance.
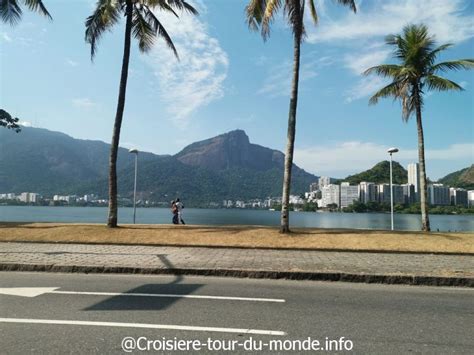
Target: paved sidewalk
(347, 266)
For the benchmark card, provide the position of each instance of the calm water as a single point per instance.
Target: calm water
(233, 217)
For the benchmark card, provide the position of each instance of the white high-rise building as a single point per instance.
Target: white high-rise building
(470, 198)
(330, 195)
(367, 192)
(24, 197)
(324, 181)
(313, 187)
(349, 194)
(384, 194)
(458, 197)
(29, 197)
(438, 194)
(414, 176)
(296, 200)
(409, 193)
(383, 191)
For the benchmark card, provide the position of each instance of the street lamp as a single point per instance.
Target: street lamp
(391, 151)
(135, 151)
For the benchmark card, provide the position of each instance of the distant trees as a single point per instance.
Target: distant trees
(6, 120)
(141, 22)
(416, 74)
(260, 14)
(10, 10)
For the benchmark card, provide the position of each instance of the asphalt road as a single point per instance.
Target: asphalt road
(376, 319)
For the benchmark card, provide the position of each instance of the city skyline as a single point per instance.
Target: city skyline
(229, 79)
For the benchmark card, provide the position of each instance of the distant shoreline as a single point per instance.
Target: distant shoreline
(466, 211)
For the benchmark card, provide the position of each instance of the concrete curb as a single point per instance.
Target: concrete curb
(257, 274)
(373, 251)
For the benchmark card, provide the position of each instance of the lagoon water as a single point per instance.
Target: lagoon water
(235, 217)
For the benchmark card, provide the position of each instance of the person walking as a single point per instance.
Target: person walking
(174, 211)
(179, 207)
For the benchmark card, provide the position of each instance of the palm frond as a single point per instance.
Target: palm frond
(104, 17)
(431, 56)
(294, 13)
(350, 3)
(313, 12)
(37, 5)
(435, 82)
(162, 5)
(142, 30)
(10, 11)
(408, 104)
(182, 5)
(385, 70)
(157, 29)
(270, 11)
(453, 65)
(254, 12)
(393, 89)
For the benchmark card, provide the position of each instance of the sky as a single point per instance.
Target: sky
(228, 78)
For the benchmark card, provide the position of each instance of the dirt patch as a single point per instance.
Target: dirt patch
(240, 236)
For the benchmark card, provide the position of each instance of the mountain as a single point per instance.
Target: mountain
(380, 173)
(230, 150)
(462, 178)
(51, 162)
(224, 167)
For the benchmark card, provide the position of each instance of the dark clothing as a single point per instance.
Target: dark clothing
(175, 218)
(174, 211)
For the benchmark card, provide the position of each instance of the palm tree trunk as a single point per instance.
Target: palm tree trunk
(425, 221)
(113, 210)
(290, 145)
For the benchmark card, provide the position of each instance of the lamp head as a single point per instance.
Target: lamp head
(392, 150)
(133, 151)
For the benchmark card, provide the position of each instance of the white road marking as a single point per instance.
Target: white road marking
(37, 291)
(142, 325)
(26, 291)
(171, 296)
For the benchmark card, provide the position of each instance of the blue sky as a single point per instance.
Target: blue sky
(228, 78)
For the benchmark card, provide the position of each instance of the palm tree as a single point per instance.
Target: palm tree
(260, 14)
(141, 22)
(10, 10)
(417, 73)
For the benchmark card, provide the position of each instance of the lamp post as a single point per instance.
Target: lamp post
(391, 151)
(135, 151)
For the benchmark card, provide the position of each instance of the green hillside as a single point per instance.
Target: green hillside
(380, 174)
(463, 178)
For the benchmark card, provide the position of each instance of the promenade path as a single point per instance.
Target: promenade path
(231, 261)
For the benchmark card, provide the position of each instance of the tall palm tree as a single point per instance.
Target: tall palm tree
(260, 14)
(141, 22)
(10, 10)
(417, 73)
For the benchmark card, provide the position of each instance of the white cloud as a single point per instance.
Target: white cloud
(71, 62)
(366, 86)
(342, 159)
(359, 62)
(84, 102)
(198, 78)
(25, 123)
(279, 77)
(444, 18)
(5, 37)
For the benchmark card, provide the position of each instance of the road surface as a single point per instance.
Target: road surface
(76, 313)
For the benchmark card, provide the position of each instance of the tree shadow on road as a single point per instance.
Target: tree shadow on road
(149, 303)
